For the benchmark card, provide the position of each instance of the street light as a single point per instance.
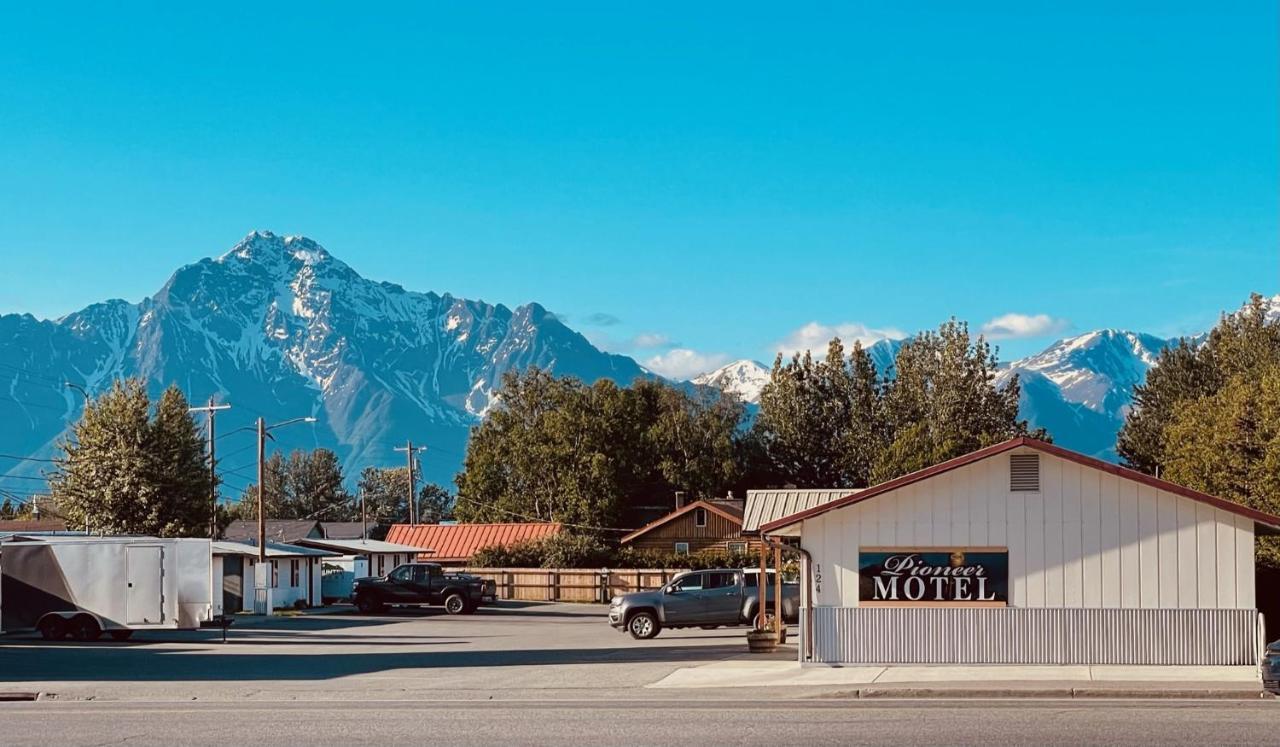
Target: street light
(264, 431)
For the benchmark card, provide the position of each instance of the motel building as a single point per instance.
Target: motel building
(1026, 553)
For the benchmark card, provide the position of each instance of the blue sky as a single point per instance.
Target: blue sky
(718, 179)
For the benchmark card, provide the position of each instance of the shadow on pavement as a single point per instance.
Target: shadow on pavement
(124, 662)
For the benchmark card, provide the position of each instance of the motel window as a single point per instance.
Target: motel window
(275, 574)
(700, 517)
(737, 548)
(294, 574)
(381, 559)
(682, 548)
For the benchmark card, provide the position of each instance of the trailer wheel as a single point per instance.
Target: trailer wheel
(53, 628)
(84, 628)
(121, 635)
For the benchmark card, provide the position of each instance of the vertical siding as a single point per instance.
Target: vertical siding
(1035, 636)
(1088, 539)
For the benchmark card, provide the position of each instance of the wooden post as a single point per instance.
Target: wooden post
(777, 588)
(761, 588)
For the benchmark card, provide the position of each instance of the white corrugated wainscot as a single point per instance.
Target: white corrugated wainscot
(1102, 567)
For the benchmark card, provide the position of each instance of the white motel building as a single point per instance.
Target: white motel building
(1023, 553)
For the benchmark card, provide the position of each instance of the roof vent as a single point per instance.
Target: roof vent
(1024, 473)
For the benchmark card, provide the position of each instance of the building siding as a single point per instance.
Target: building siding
(716, 535)
(1086, 539)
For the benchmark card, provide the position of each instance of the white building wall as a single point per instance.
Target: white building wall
(1087, 539)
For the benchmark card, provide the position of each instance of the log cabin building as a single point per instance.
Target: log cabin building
(700, 526)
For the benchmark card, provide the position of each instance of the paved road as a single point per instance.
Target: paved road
(685, 722)
(520, 651)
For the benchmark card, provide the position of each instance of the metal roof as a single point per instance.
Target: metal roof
(278, 530)
(357, 546)
(458, 542)
(274, 550)
(764, 506)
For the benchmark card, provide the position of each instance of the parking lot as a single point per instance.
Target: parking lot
(513, 650)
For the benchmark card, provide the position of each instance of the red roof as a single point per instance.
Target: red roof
(458, 542)
(1260, 517)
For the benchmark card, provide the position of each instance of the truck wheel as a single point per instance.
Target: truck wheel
(53, 628)
(85, 628)
(121, 635)
(643, 626)
(709, 627)
(367, 604)
(456, 604)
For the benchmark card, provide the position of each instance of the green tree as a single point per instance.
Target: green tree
(305, 485)
(559, 450)
(819, 420)
(942, 402)
(384, 492)
(435, 504)
(127, 471)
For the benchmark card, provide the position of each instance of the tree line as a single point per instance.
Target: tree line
(560, 450)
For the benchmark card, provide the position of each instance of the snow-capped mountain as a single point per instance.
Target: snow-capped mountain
(744, 378)
(281, 328)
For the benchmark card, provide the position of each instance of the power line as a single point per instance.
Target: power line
(22, 477)
(32, 404)
(27, 459)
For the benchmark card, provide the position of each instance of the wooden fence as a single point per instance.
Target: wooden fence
(572, 584)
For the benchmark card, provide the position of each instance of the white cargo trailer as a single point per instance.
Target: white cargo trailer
(84, 586)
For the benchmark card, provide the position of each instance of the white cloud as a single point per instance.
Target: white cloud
(1015, 326)
(682, 363)
(650, 340)
(815, 336)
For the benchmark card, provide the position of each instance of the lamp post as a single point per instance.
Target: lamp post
(264, 431)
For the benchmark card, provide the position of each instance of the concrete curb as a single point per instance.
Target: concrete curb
(1087, 693)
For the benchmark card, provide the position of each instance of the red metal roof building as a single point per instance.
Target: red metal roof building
(454, 544)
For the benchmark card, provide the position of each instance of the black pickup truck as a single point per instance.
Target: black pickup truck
(423, 584)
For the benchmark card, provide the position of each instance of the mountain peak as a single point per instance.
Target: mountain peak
(745, 378)
(267, 248)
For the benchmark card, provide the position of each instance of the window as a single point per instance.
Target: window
(692, 582)
(682, 548)
(737, 548)
(381, 559)
(700, 517)
(403, 573)
(1024, 473)
(294, 574)
(275, 574)
(752, 578)
(421, 574)
(720, 580)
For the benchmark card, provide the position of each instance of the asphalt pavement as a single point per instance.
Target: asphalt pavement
(685, 721)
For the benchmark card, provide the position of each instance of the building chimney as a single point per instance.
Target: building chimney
(679, 499)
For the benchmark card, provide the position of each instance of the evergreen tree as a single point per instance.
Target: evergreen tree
(125, 472)
(384, 492)
(435, 504)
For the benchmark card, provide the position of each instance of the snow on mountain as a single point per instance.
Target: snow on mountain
(745, 378)
(1097, 370)
(279, 327)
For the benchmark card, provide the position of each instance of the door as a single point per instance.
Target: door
(232, 584)
(144, 574)
(682, 603)
(722, 597)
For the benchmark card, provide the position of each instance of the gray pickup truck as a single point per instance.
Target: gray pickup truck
(704, 599)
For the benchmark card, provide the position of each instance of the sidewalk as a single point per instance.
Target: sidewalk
(992, 681)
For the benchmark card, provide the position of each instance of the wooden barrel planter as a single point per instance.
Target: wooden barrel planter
(762, 641)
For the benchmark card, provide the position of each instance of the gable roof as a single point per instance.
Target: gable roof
(730, 511)
(344, 530)
(764, 506)
(458, 542)
(358, 546)
(278, 530)
(1259, 517)
(274, 550)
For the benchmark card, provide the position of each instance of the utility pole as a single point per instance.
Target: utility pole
(262, 471)
(409, 449)
(364, 522)
(211, 410)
